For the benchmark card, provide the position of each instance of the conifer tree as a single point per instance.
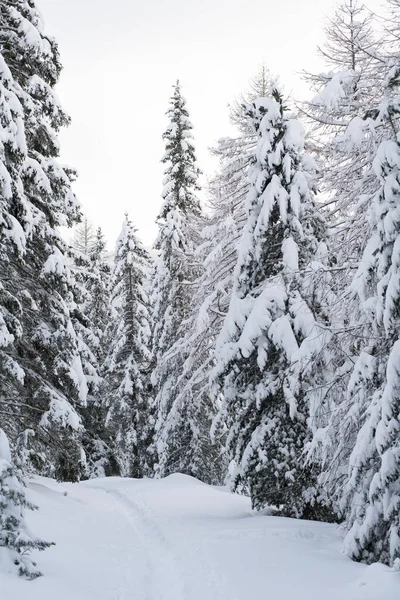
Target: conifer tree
(97, 285)
(90, 317)
(193, 405)
(130, 419)
(339, 138)
(209, 302)
(15, 537)
(371, 491)
(343, 143)
(43, 384)
(85, 236)
(175, 269)
(270, 333)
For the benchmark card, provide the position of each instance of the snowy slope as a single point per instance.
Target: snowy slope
(178, 539)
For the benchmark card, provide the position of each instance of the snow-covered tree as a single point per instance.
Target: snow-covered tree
(259, 86)
(92, 273)
(42, 379)
(15, 538)
(176, 268)
(209, 301)
(338, 136)
(90, 317)
(97, 285)
(127, 381)
(85, 237)
(371, 491)
(193, 405)
(270, 334)
(343, 142)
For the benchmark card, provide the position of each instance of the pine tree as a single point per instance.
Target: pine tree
(43, 384)
(15, 537)
(91, 305)
(176, 268)
(130, 419)
(270, 333)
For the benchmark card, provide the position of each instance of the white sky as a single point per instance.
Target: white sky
(121, 58)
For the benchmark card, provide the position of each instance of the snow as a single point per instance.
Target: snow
(62, 413)
(179, 539)
(335, 90)
(5, 454)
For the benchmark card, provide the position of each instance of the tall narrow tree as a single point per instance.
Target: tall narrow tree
(130, 419)
(90, 313)
(176, 267)
(371, 491)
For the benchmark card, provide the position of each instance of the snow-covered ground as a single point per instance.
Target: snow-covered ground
(178, 539)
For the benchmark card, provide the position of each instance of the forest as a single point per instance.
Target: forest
(256, 344)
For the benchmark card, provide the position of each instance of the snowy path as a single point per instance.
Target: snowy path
(178, 539)
(162, 576)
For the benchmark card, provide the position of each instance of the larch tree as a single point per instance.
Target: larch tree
(371, 491)
(270, 335)
(209, 302)
(343, 143)
(339, 137)
(175, 270)
(130, 417)
(84, 239)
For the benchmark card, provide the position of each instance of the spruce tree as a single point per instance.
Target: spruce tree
(270, 333)
(130, 419)
(176, 268)
(43, 384)
(15, 537)
(90, 317)
(97, 285)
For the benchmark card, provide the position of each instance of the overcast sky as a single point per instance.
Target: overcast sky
(121, 58)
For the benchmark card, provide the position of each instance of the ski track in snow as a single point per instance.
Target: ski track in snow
(163, 578)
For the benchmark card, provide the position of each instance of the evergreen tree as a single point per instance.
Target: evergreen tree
(90, 317)
(130, 419)
(42, 381)
(192, 406)
(15, 537)
(97, 285)
(270, 333)
(209, 302)
(176, 268)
